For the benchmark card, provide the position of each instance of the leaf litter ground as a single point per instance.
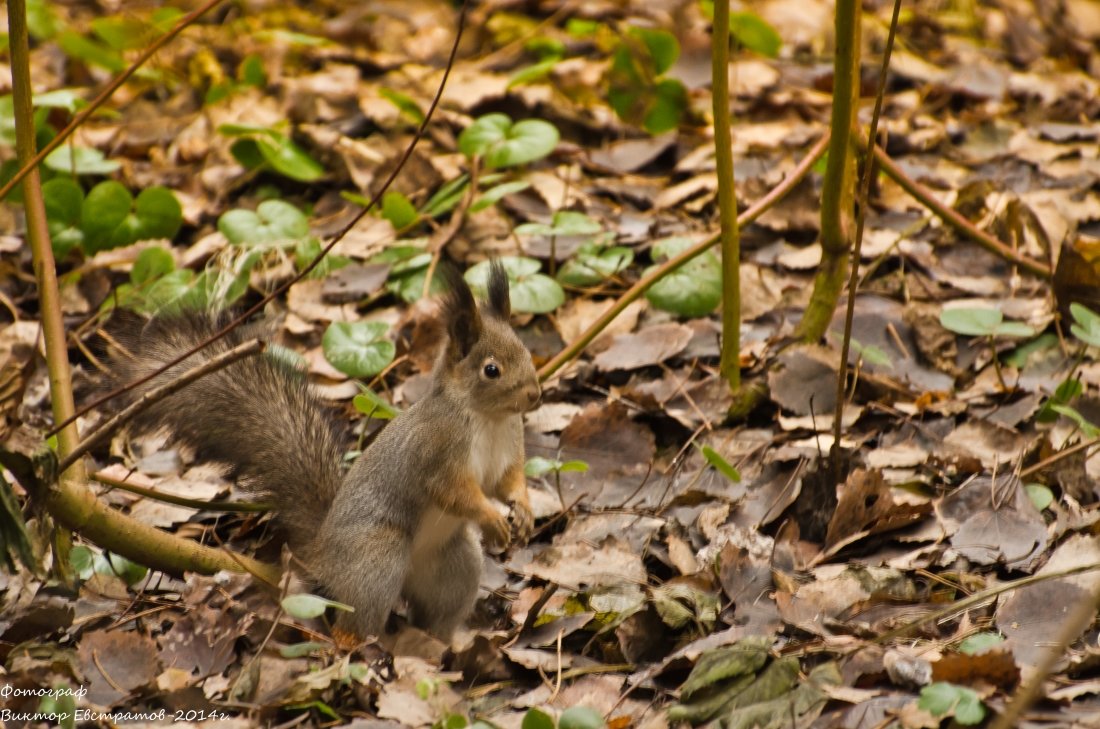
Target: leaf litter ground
(656, 589)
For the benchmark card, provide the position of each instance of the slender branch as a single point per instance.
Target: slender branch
(730, 361)
(952, 217)
(108, 428)
(199, 504)
(320, 256)
(838, 184)
(853, 266)
(104, 95)
(643, 284)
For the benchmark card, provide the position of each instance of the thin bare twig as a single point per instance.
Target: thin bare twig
(231, 506)
(861, 218)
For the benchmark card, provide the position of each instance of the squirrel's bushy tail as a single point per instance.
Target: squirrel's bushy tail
(257, 415)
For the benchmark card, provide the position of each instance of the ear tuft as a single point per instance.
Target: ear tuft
(459, 313)
(499, 302)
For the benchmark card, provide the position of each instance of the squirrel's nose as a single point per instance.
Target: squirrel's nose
(534, 392)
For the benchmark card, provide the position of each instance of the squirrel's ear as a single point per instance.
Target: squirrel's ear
(499, 302)
(460, 313)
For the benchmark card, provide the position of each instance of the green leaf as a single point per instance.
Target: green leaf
(694, 289)
(103, 212)
(79, 161)
(755, 34)
(592, 265)
(358, 349)
(972, 645)
(503, 143)
(251, 71)
(304, 606)
(1040, 495)
(536, 719)
(301, 650)
(573, 467)
(982, 322)
(151, 264)
(447, 197)
(531, 292)
(667, 108)
(123, 33)
(1064, 394)
(1086, 326)
(90, 52)
(495, 194)
(397, 209)
(63, 199)
(563, 223)
(308, 249)
(943, 699)
(108, 563)
(290, 160)
(405, 104)
(534, 72)
(82, 560)
(723, 466)
(663, 47)
(538, 466)
(744, 657)
(71, 100)
(1089, 430)
(274, 221)
(157, 214)
(579, 717)
(373, 405)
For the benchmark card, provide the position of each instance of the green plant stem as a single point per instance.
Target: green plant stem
(638, 289)
(71, 502)
(857, 247)
(838, 185)
(233, 506)
(952, 217)
(101, 98)
(38, 235)
(730, 361)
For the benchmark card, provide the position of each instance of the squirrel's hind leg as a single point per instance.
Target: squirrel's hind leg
(371, 586)
(441, 593)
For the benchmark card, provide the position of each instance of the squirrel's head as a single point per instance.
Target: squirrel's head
(484, 360)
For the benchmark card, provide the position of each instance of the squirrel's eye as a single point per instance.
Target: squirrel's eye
(492, 371)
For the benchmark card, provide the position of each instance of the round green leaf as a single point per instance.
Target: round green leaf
(537, 719)
(358, 349)
(63, 199)
(980, 643)
(304, 606)
(82, 560)
(580, 717)
(108, 563)
(537, 466)
(971, 322)
(79, 161)
(694, 289)
(158, 214)
(104, 210)
(564, 222)
(287, 158)
(372, 405)
(274, 221)
(592, 265)
(531, 292)
(662, 46)
(1086, 326)
(667, 106)
(755, 34)
(151, 264)
(397, 209)
(504, 144)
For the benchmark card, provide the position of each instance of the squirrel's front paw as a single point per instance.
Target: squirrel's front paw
(496, 529)
(523, 520)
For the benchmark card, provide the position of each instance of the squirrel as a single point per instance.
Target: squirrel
(398, 524)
